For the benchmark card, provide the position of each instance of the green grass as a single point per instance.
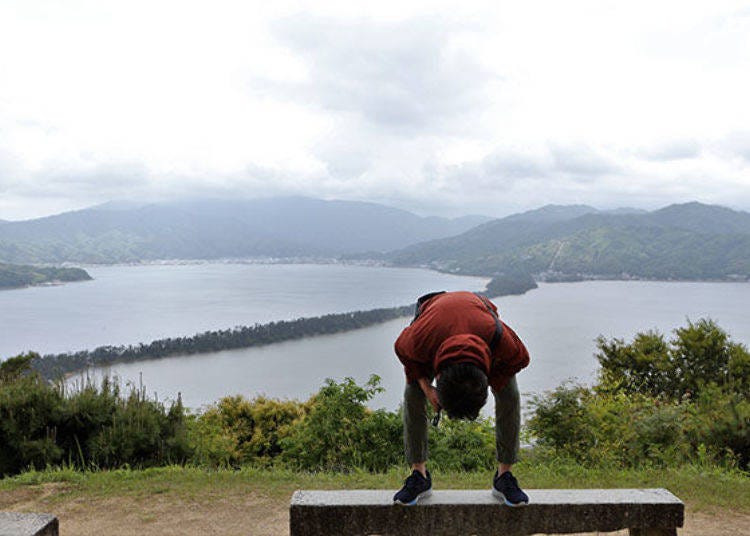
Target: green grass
(706, 489)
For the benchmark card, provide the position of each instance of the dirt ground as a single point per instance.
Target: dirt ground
(248, 514)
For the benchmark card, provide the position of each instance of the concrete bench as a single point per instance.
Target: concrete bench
(645, 512)
(17, 524)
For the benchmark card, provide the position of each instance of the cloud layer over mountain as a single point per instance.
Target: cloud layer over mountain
(490, 108)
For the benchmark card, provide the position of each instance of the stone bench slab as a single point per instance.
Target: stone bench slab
(456, 512)
(18, 524)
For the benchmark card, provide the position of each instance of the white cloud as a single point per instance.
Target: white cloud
(672, 150)
(490, 107)
(405, 77)
(736, 144)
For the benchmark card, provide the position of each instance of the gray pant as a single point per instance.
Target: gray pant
(507, 423)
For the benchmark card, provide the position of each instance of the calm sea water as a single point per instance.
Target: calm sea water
(558, 322)
(132, 304)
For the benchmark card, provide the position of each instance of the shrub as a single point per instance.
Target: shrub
(560, 421)
(213, 444)
(593, 428)
(720, 425)
(41, 425)
(334, 430)
(29, 413)
(236, 430)
(340, 432)
(137, 431)
(463, 445)
(685, 399)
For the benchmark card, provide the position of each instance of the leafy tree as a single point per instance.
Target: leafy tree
(702, 353)
(642, 366)
(699, 355)
(14, 368)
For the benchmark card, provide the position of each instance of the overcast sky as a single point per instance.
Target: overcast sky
(439, 108)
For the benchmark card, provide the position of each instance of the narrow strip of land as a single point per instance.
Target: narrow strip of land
(55, 366)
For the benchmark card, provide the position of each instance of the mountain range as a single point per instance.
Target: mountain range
(684, 241)
(555, 242)
(211, 229)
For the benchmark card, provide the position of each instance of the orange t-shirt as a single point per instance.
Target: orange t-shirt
(454, 314)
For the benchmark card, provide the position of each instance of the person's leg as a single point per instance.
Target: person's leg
(419, 483)
(507, 425)
(507, 441)
(415, 427)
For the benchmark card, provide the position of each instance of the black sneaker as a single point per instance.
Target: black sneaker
(415, 487)
(506, 487)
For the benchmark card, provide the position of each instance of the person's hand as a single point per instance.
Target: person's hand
(430, 392)
(432, 396)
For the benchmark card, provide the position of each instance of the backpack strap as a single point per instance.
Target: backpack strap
(421, 300)
(498, 326)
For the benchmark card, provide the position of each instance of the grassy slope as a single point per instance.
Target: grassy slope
(702, 489)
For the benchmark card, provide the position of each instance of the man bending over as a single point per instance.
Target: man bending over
(458, 339)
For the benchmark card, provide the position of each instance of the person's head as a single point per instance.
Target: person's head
(462, 390)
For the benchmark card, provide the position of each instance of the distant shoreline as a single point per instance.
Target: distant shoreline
(332, 261)
(543, 277)
(579, 278)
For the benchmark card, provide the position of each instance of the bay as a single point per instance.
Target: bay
(132, 304)
(558, 322)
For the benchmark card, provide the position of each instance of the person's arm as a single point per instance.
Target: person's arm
(511, 356)
(430, 392)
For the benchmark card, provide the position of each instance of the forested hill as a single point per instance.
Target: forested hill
(210, 229)
(686, 241)
(12, 275)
